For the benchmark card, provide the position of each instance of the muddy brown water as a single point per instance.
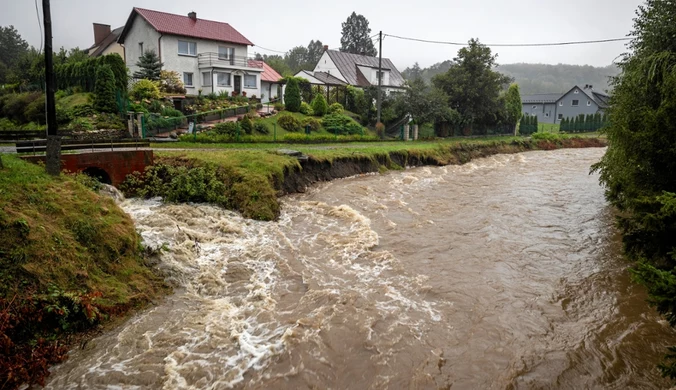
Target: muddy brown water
(504, 273)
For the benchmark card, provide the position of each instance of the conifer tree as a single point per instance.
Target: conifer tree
(150, 66)
(104, 90)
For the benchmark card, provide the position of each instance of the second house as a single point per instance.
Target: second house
(209, 56)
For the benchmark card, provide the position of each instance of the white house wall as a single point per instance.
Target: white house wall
(185, 63)
(371, 75)
(140, 31)
(325, 64)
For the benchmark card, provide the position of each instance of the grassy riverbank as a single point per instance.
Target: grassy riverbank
(250, 177)
(70, 261)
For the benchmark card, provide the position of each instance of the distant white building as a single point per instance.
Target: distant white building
(209, 56)
(336, 68)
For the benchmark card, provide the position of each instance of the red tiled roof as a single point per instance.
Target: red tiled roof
(269, 74)
(166, 23)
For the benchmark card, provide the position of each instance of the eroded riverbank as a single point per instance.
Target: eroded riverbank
(505, 272)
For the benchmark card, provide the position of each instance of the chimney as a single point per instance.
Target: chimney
(101, 31)
(326, 47)
(193, 15)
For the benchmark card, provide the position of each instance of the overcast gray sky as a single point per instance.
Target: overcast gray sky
(280, 25)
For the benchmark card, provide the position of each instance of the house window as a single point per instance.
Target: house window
(560, 116)
(226, 53)
(223, 79)
(187, 79)
(206, 79)
(588, 103)
(187, 48)
(380, 75)
(250, 81)
(140, 47)
(576, 103)
(576, 92)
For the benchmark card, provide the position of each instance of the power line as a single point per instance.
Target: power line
(37, 12)
(274, 51)
(513, 44)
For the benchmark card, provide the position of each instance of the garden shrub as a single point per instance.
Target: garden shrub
(105, 121)
(306, 109)
(104, 91)
(341, 124)
(170, 82)
(319, 105)
(247, 125)
(312, 122)
(289, 123)
(81, 124)
(279, 107)
(82, 110)
(35, 111)
(171, 112)
(226, 128)
(6, 124)
(292, 95)
(336, 108)
(144, 90)
(261, 128)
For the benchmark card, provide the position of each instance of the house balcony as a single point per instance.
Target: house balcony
(214, 60)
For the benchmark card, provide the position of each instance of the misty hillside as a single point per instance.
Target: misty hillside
(536, 78)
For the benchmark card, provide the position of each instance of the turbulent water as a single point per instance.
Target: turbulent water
(502, 273)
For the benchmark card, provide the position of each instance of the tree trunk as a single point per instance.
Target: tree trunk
(1, 166)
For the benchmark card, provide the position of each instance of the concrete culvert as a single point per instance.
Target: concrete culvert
(99, 174)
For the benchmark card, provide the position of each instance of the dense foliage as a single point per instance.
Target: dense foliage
(319, 105)
(638, 168)
(341, 124)
(513, 105)
(145, 89)
(356, 36)
(292, 95)
(289, 122)
(584, 123)
(533, 78)
(473, 87)
(104, 93)
(170, 82)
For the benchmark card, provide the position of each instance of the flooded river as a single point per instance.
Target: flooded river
(504, 273)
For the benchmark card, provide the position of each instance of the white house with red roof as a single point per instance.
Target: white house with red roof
(272, 87)
(210, 56)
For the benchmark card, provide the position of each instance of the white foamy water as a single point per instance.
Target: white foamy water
(502, 273)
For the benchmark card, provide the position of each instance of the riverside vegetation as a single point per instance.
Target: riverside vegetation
(70, 261)
(638, 169)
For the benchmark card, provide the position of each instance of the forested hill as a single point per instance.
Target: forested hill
(537, 78)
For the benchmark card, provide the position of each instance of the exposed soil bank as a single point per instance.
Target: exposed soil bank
(298, 178)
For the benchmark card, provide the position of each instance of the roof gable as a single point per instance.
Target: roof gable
(107, 41)
(347, 66)
(166, 23)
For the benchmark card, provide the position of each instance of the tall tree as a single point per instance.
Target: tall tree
(150, 66)
(513, 104)
(638, 167)
(412, 73)
(297, 59)
(424, 104)
(472, 86)
(314, 52)
(12, 46)
(356, 37)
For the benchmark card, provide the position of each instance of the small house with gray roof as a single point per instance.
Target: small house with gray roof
(336, 68)
(553, 107)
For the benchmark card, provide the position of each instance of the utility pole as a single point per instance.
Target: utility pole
(380, 73)
(53, 158)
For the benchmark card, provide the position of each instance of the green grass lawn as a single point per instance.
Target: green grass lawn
(548, 128)
(73, 100)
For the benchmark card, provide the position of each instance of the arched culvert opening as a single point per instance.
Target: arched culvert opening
(98, 174)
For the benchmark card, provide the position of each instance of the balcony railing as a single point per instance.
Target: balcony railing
(219, 60)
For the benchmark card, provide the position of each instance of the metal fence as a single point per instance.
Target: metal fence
(155, 124)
